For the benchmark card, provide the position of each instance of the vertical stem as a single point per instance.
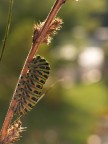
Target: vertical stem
(32, 52)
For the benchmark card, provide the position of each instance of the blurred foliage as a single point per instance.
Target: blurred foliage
(67, 114)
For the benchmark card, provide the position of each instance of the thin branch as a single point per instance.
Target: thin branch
(7, 29)
(32, 52)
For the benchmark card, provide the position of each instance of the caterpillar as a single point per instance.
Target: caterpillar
(29, 88)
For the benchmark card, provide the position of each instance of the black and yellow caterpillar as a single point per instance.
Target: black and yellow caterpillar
(29, 88)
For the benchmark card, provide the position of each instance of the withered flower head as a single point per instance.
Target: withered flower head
(13, 133)
(53, 28)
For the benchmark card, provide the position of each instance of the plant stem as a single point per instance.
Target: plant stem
(32, 52)
(7, 29)
(48, 21)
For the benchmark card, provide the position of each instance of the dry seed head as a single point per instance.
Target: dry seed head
(37, 29)
(53, 28)
(13, 133)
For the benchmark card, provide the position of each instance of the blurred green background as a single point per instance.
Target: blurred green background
(75, 111)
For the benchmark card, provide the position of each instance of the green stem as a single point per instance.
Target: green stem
(7, 29)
